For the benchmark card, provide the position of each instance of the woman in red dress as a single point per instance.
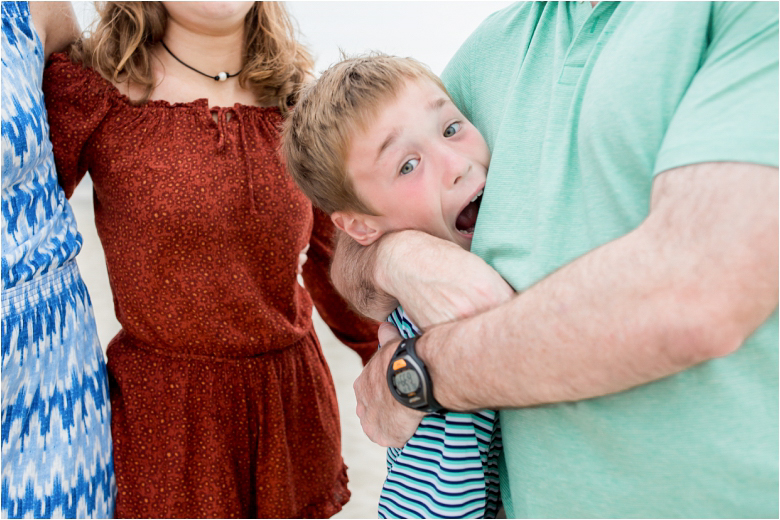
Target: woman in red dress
(222, 403)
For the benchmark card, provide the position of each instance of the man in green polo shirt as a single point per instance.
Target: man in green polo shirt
(632, 202)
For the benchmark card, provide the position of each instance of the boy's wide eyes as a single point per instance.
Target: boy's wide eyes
(409, 166)
(452, 130)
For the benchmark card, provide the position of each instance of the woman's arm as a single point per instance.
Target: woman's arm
(358, 333)
(77, 102)
(56, 25)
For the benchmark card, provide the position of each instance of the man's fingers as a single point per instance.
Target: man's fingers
(383, 420)
(387, 333)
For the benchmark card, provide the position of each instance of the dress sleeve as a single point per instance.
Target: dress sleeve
(76, 103)
(357, 332)
(730, 110)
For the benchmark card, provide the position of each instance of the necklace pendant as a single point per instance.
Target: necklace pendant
(222, 76)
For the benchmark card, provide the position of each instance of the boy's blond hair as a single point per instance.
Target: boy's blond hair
(330, 111)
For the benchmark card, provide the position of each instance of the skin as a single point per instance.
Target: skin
(689, 284)
(208, 36)
(56, 25)
(417, 165)
(366, 275)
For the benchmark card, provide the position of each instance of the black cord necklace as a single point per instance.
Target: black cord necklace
(222, 76)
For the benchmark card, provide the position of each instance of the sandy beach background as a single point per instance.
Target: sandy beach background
(428, 31)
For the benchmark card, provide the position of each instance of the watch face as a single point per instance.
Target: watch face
(406, 382)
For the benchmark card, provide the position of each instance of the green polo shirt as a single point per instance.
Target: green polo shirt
(581, 108)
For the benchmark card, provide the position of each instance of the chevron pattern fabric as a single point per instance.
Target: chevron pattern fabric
(56, 428)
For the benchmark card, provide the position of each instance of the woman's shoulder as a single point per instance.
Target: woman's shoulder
(82, 85)
(64, 76)
(62, 63)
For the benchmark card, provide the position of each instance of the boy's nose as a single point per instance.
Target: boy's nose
(457, 168)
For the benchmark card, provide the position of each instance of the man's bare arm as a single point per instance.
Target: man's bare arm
(436, 281)
(691, 283)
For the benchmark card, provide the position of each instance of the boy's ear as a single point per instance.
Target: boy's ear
(362, 228)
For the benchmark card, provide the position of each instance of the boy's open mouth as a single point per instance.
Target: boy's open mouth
(467, 218)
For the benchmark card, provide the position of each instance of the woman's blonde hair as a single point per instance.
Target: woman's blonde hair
(119, 48)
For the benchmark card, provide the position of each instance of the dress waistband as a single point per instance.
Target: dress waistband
(42, 288)
(123, 338)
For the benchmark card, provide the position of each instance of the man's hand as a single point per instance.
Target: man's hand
(384, 420)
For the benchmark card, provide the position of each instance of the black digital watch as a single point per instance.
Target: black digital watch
(409, 381)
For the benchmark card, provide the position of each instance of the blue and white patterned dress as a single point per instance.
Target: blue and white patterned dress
(56, 427)
(449, 468)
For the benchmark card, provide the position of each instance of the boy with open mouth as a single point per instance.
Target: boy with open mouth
(377, 143)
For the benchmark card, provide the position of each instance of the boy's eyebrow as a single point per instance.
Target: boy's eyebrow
(393, 135)
(437, 103)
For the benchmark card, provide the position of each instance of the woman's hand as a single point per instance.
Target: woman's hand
(302, 259)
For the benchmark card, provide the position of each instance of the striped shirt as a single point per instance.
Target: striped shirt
(449, 468)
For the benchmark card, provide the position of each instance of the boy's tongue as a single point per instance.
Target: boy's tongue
(468, 218)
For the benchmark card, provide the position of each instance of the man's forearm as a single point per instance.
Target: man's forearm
(423, 272)
(690, 284)
(352, 273)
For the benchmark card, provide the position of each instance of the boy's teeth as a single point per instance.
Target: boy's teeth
(478, 195)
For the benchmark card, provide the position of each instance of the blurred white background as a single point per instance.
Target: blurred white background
(428, 31)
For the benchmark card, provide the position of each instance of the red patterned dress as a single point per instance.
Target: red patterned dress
(222, 403)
